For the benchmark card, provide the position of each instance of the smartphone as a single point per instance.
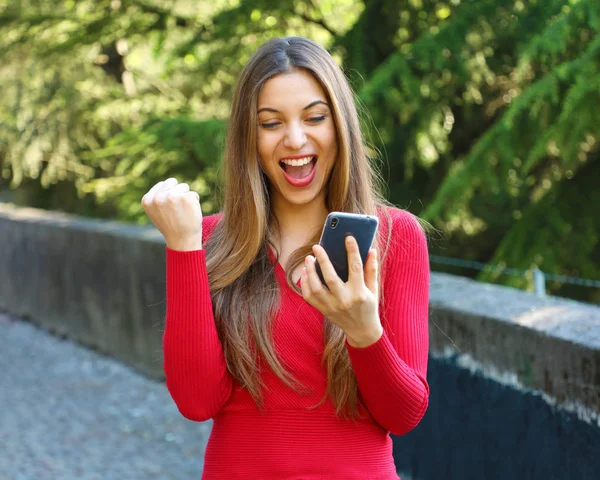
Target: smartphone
(338, 226)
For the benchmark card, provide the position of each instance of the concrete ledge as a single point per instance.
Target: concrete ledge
(509, 372)
(98, 282)
(102, 283)
(548, 345)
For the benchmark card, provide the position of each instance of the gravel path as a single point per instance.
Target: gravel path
(69, 413)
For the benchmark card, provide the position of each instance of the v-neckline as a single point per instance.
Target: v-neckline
(279, 268)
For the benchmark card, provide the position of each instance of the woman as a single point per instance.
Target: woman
(302, 382)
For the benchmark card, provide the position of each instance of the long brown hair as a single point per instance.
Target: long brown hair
(243, 284)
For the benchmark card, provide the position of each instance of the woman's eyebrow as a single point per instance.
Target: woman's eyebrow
(310, 105)
(316, 102)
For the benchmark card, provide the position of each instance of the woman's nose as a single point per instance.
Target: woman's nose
(294, 137)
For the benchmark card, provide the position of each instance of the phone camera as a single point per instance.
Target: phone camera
(334, 222)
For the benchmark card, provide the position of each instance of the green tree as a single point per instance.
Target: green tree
(483, 111)
(491, 115)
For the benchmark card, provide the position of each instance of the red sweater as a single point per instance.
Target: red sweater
(288, 439)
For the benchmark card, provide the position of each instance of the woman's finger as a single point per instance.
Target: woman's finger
(304, 285)
(318, 290)
(334, 282)
(179, 188)
(149, 196)
(355, 265)
(371, 270)
(166, 186)
(192, 196)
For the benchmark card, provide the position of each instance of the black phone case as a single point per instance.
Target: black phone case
(333, 239)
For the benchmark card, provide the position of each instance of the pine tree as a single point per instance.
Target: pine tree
(484, 112)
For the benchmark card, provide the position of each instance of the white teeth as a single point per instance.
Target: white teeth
(298, 162)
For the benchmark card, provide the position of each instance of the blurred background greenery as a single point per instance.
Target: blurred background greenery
(485, 113)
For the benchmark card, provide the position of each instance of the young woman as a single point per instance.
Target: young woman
(303, 382)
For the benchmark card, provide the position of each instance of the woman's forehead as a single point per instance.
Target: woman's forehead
(294, 89)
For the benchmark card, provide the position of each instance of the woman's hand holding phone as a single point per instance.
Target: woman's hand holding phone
(353, 305)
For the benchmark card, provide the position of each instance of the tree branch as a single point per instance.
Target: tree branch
(162, 14)
(319, 22)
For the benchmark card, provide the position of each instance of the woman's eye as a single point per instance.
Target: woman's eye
(313, 120)
(316, 119)
(269, 125)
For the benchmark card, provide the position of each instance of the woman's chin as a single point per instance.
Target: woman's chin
(302, 196)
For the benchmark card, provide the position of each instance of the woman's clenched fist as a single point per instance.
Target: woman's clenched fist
(176, 212)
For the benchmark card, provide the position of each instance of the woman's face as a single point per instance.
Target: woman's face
(297, 140)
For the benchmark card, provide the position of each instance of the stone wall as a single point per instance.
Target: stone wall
(515, 379)
(99, 282)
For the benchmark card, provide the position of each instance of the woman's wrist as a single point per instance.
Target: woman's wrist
(365, 338)
(185, 246)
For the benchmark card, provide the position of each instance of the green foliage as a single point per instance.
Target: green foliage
(566, 225)
(557, 112)
(101, 87)
(163, 147)
(485, 111)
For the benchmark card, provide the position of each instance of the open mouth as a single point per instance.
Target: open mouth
(298, 168)
(299, 172)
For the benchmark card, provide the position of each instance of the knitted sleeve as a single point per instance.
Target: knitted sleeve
(194, 363)
(391, 373)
